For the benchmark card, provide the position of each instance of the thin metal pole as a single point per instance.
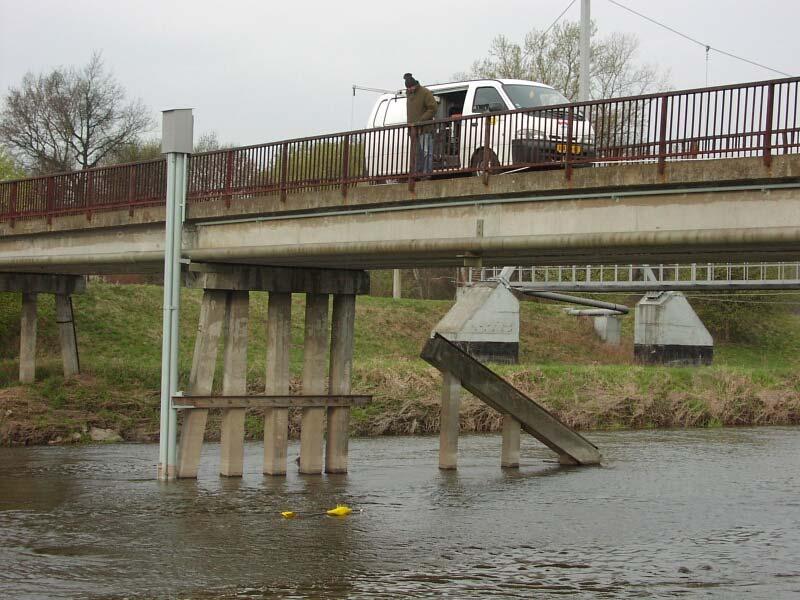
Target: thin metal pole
(177, 239)
(585, 51)
(166, 330)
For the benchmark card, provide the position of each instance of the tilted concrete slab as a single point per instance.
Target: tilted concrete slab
(714, 210)
(505, 398)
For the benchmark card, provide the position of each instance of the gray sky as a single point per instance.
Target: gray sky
(261, 71)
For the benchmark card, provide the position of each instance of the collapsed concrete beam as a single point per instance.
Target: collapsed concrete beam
(571, 447)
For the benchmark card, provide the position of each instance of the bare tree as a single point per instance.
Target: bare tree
(70, 118)
(553, 57)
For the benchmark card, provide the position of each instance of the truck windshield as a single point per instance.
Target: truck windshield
(533, 96)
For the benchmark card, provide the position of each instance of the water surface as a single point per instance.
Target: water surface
(697, 513)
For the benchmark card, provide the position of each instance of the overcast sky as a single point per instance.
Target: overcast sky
(257, 71)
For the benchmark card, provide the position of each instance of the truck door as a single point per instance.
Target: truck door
(484, 99)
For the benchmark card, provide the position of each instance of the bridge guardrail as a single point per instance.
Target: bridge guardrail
(758, 119)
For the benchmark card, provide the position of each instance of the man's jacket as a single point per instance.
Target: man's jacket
(421, 105)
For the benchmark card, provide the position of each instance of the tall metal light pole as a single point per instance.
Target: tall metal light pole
(176, 143)
(585, 51)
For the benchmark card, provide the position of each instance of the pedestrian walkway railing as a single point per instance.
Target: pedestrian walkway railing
(758, 119)
(722, 276)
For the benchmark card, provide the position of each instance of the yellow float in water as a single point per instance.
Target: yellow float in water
(340, 511)
(288, 514)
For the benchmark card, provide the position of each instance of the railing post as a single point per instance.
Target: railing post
(568, 153)
(12, 204)
(131, 189)
(487, 148)
(49, 193)
(284, 169)
(345, 176)
(768, 126)
(413, 150)
(89, 194)
(228, 177)
(662, 136)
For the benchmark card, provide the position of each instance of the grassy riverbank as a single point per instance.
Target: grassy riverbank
(754, 379)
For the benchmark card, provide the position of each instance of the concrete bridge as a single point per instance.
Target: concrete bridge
(710, 175)
(696, 211)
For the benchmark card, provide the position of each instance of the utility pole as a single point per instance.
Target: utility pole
(586, 52)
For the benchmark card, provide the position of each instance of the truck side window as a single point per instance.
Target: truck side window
(396, 113)
(487, 99)
(380, 114)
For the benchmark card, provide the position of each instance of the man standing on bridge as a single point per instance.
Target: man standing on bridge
(420, 107)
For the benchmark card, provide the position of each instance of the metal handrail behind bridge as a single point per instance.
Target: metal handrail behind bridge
(632, 278)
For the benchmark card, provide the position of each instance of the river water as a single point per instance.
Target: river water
(695, 513)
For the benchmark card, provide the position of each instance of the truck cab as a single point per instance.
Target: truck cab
(537, 136)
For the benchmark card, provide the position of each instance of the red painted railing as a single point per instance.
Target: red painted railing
(746, 120)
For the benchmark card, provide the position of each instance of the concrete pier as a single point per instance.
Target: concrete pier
(27, 339)
(234, 383)
(30, 285)
(341, 366)
(449, 426)
(225, 308)
(509, 457)
(201, 379)
(312, 425)
(609, 328)
(66, 334)
(276, 420)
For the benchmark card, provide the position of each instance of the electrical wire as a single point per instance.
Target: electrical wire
(558, 18)
(696, 41)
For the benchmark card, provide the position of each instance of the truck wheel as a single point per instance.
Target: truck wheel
(477, 162)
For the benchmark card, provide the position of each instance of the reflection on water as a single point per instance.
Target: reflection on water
(698, 513)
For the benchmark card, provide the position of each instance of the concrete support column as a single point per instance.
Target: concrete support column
(234, 383)
(201, 380)
(397, 284)
(609, 328)
(276, 420)
(66, 334)
(341, 366)
(509, 457)
(314, 349)
(27, 339)
(448, 422)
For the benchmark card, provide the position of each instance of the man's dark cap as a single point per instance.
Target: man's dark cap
(410, 81)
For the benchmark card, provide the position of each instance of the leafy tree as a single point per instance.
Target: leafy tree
(70, 118)
(553, 57)
(9, 168)
(137, 150)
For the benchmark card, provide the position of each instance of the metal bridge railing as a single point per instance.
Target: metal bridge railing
(648, 277)
(757, 119)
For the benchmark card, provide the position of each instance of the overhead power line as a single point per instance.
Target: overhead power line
(558, 18)
(696, 41)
